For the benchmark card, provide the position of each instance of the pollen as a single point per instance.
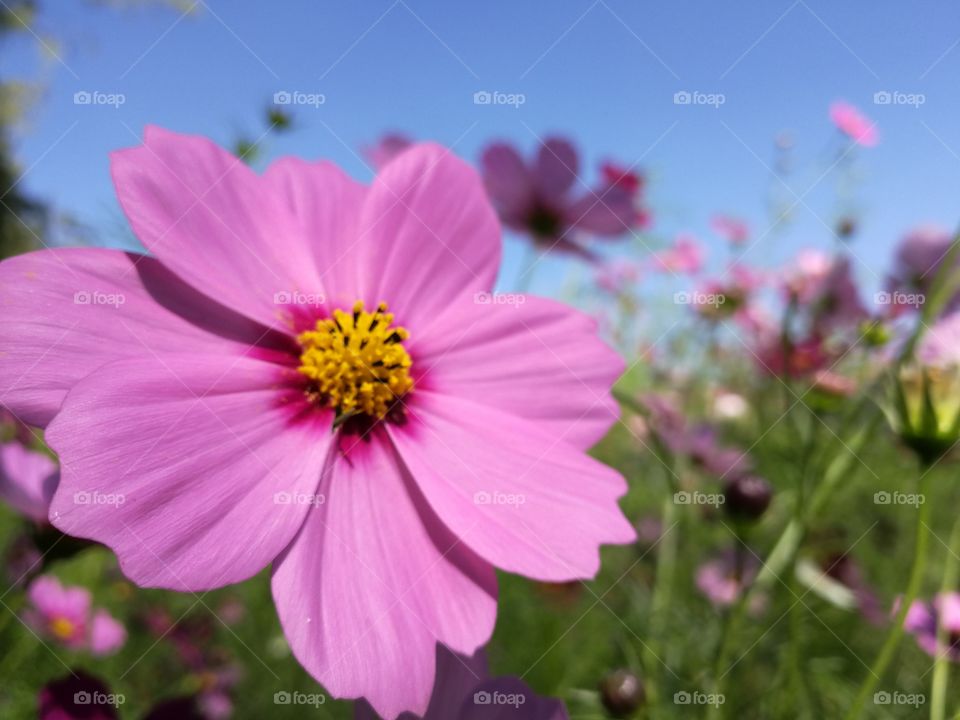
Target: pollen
(356, 363)
(62, 628)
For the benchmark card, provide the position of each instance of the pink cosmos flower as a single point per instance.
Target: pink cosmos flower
(27, 480)
(64, 614)
(539, 199)
(824, 288)
(617, 276)
(917, 261)
(249, 395)
(684, 256)
(386, 149)
(734, 230)
(852, 123)
(723, 578)
(465, 691)
(923, 618)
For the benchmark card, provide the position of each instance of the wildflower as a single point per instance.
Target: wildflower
(65, 614)
(923, 618)
(852, 123)
(28, 480)
(734, 230)
(302, 375)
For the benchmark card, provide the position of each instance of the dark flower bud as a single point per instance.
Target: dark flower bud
(747, 497)
(622, 692)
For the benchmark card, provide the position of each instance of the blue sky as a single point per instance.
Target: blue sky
(603, 72)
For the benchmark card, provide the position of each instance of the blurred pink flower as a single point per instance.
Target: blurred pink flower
(464, 690)
(684, 256)
(825, 291)
(59, 612)
(918, 258)
(386, 149)
(107, 634)
(617, 276)
(723, 578)
(940, 346)
(538, 198)
(852, 123)
(28, 480)
(64, 614)
(923, 618)
(733, 230)
(248, 299)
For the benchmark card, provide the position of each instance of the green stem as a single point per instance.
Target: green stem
(913, 586)
(941, 668)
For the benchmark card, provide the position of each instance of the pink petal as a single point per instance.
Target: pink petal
(508, 183)
(327, 203)
(27, 480)
(555, 169)
(373, 581)
(189, 467)
(456, 678)
(66, 312)
(606, 212)
(427, 234)
(214, 222)
(53, 600)
(107, 635)
(519, 496)
(530, 357)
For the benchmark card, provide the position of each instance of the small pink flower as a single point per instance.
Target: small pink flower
(28, 480)
(852, 123)
(62, 613)
(918, 259)
(464, 690)
(254, 402)
(539, 198)
(617, 276)
(923, 619)
(107, 635)
(386, 149)
(723, 578)
(685, 256)
(733, 230)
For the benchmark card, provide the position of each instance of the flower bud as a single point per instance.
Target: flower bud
(747, 497)
(622, 692)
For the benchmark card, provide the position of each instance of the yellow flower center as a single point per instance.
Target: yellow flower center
(356, 362)
(62, 628)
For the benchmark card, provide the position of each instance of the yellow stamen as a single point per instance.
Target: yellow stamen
(356, 362)
(62, 628)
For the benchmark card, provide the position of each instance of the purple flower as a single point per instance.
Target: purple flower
(923, 618)
(464, 690)
(65, 614)
(723, 578)
(28, 480)
(77, 696)
(538, 199)
(918, 259)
